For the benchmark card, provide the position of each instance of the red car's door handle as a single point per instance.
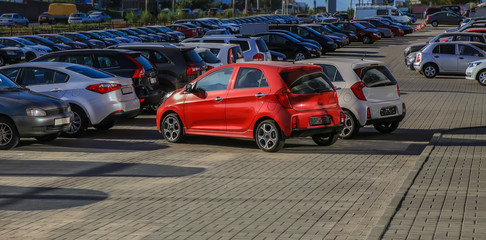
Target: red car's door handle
(217, 99)
(260, 95)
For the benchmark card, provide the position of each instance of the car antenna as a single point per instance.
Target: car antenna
(363, 56)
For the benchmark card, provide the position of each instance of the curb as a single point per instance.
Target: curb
(379, 229)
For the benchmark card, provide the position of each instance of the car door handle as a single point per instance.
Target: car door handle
(260, 95)
(217, 99)
(56, 90)
(436, 56)
(461, 58)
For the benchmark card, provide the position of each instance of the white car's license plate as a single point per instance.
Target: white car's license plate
(61, 121)
(388, 111)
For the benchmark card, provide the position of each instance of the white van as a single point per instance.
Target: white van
(361, 12)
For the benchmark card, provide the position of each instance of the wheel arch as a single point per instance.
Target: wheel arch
(263, 118)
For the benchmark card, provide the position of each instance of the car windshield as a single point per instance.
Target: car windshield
(6, 83)
(64, 39)
(26, 42)
(209, 57)
(43, 40)
(130, 32)
(89, 72)
(149, 30)
(376, 76)
(359, 26)
(120, 33)
(79, 35)
(96, 35)
(306, 81)
(6, 16)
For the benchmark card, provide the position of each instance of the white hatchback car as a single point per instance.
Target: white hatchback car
(477, 71)
(367, 92)
(227, 53)
(97, 98)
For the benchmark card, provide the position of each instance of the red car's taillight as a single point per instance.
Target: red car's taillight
(419, 57)
(357, 89)
(283, 98)
(140, 71)
(192, 70)
(103, 88)
(258, 57)
(342, 118)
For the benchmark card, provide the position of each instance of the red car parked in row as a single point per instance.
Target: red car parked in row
(188, 31)
(396, 30)
(268, 102)
(366, 35)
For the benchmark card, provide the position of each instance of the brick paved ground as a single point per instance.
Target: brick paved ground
(127, 183)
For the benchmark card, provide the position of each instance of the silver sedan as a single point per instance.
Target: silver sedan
(96, 98)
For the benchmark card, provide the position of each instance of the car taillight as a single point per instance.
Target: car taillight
(368, 113)
(192, 70)
(341, 118)
(103, 88)
(294, 122)
(419, 57)
(357, 89)
(428, 18)
(283, 98)
(258, 57)
(398, 90)
(210, 67)
(140, 71)
(404, 109)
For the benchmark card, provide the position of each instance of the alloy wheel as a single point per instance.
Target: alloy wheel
(6, 134)
(299, 56)
(267, 136)
(482, 78)
(172, 128)
(76, 124)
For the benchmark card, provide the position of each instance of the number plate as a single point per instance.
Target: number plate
(61, 121)
(126, 90)
(388, 111)
(153, 80)
(315, 121)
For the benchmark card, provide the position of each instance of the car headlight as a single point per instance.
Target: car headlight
(11, 53)
(308, 48)
(474, 64)
(36, 112)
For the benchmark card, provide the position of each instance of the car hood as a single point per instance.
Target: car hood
(28, 98)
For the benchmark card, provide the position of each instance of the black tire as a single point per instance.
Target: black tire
(105, 125)
(430, 70)
(325, 139)
(481, 77)
(29, 56)
(79, 123)
(351, 126)
(47, 138)
(172, 128)
(366, 40)
(435, 24)
(2, 61)
(299, 56)
(269, 137)
(387, 127)
(9, 137)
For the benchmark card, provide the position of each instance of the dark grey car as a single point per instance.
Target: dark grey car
(27, 114)
(444, 17)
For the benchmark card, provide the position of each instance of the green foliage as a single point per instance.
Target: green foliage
(229, 13)
(185, 4)
(146, 17)
(350, 13)
(131, 17)
(163, 17)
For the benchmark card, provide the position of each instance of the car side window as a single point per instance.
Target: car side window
(278, 40)
(79, 59)
(215, 51)
(9, 43)
(37, 76)
(60, 77)
(468, 51)
(12, 73)
(159, 58)
(213, 41)
(250, 78)
(245, 46)
(215, 81)
(107, 62)
(445, 49)
(332, 73)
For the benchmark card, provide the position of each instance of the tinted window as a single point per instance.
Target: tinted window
(262, 47)
(5, 82)
(80, 59)
(107, 62)
(332, 73)
(37, 76)
(145, 62)
(60, 78)
(89, 72)
(245, 46)
(191, 56)
(215, 51)
(209, 57)
(377, 76)
(302, 82)
(11, 73)
(468, 51)
(215, 81)
(445, 49)
(250, 78)
(278, 40)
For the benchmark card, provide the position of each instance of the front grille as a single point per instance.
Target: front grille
(55, 111)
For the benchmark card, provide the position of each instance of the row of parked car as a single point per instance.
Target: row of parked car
(455, 51)
(210, 85)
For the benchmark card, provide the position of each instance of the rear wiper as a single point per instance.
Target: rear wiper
(382, 84)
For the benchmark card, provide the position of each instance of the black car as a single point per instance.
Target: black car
(352, 35)
(96, 36)
(445, 17)
(291, 47)
(27, 114)
(162, 29)
(143, 37)
(299, 38)
(176, 65)
(48, 43)
(163, 36)
(124, 63)
(10, 55)
(92, 43)
(328, 45)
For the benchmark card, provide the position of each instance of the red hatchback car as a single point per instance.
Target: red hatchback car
(268, 102)
(188, 31)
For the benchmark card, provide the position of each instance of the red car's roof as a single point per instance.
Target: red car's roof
(281, 66)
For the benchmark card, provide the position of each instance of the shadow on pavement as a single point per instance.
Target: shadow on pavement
(91, 169)
(89, 145)
(13, 198)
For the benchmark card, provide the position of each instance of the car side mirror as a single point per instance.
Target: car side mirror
(189, 88)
